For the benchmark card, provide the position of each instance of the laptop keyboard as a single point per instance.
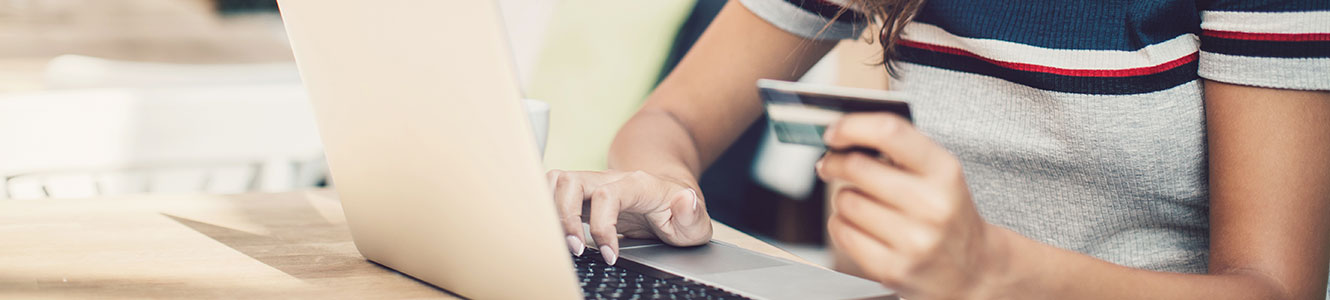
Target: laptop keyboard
(631, 280)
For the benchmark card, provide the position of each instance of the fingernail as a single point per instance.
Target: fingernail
(575, 245)
(829, 132)
(689, 216)
(610, 257)
(818, 166)
(691, 192)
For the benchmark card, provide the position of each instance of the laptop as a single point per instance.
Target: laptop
(431, 153)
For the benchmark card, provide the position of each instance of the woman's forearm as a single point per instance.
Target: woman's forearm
(1040, 271)
(1268, 210)
(705, 103)
(709, 98)
(654, 141)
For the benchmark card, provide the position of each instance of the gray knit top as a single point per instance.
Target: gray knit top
(1080, 123)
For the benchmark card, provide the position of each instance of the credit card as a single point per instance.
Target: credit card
(800, 112)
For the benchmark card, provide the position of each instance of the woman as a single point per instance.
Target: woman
(1173, 149)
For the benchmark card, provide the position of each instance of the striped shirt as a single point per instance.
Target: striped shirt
(1080, 123)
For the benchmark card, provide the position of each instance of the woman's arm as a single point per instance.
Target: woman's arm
(689, 120)
(710, 98)
(1269, 216)
(1270, 186)
(1269, 207)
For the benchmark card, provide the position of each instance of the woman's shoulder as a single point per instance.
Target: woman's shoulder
(813, 19)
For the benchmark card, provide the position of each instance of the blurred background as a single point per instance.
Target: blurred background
(114, 97)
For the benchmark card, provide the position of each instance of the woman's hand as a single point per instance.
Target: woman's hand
(636, 204)
(906, 217)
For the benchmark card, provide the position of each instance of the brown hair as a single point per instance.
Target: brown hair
(890, 18)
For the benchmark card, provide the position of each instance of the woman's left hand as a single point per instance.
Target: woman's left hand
(906, 217)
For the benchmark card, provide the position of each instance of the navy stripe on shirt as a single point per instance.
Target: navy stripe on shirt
(1066, 24)
(1264, 5)
(1287, 49)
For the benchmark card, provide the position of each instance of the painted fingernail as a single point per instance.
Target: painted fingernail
(610, 257)
(690, 214)
(690, 191)
(575, 245)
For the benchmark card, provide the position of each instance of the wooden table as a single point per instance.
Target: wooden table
(288, 245)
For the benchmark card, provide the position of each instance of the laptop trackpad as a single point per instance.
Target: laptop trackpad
(705, 259)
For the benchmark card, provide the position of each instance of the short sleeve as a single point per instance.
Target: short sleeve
(1268, 43)
(811, 19)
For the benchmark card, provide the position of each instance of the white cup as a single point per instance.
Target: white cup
(539, 113)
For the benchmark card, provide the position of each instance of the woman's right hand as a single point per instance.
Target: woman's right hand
(635, 203)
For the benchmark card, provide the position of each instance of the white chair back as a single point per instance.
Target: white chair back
(216, 139)
(84, 72)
